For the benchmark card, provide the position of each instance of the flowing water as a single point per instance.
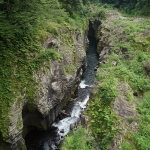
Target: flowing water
(51, 139)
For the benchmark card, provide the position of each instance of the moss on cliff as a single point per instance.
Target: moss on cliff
(24, 28)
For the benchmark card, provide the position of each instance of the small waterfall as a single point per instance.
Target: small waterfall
(59, 129)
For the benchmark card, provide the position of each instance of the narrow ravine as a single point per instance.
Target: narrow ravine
(51, 139)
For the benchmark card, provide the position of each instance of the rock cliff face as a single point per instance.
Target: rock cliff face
(56, 82)
(109, 35)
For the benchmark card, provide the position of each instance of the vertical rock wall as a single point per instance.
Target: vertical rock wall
(56, 81)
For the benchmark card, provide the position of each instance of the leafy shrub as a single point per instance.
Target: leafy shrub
(142, 137)
(127, 146)
(102, 118)
(46, 55)
(78, 140)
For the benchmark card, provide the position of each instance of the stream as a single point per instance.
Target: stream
(52, 138)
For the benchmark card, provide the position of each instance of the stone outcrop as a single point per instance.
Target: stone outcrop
(56, 82)
(111, 35)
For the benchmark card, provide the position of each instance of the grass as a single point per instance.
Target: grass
(78, 140)
(103, 119)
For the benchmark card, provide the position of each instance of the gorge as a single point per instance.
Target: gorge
(73, 110)
(49, 65)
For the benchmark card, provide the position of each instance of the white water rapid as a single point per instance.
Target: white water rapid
(65, 124)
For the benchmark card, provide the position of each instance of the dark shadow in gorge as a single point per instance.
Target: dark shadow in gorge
(92, 57)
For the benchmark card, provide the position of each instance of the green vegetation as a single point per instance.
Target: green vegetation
(21, 34)
(24, 27)
(128, 63)
(136, 7)
(142, 137)
(127, 146)
(78, 140)
(140, 140)
(131, 57)
(102, 118)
